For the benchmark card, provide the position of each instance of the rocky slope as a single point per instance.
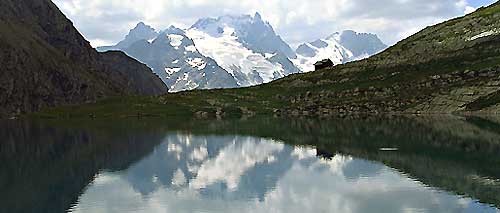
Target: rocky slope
(450, 67)
(45, 62)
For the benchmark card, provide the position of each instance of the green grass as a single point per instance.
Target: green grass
(487, 11)
(231, 101)
(132, 106)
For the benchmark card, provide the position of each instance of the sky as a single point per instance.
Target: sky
(106, 22)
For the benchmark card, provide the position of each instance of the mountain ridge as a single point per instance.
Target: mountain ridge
(245, 46)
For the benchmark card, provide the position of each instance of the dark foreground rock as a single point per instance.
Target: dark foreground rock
(45, 62)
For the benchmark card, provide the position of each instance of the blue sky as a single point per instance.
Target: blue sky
(105, 22)
(479, 3)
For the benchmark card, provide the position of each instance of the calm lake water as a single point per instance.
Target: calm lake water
(397, 164)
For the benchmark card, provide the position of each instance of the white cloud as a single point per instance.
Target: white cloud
(107, 21)
(469, 9)
(233, 161)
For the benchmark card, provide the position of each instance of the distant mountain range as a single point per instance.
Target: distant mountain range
(234, 51)
(451, 67)
(339, 47)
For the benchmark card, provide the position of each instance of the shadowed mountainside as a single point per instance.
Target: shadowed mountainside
(45, 62)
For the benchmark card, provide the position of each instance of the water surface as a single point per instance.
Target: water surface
(398, 164)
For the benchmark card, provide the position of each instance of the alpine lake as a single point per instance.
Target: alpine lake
(364, 164)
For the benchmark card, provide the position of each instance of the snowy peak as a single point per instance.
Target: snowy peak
(310, 53)
(253, 32)
(246, 46)
(246, 65)
(338, 47)
(241, 24)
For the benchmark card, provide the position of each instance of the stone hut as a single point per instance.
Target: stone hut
(323, 64)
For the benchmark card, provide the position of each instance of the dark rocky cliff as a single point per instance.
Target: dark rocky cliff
(45, 62)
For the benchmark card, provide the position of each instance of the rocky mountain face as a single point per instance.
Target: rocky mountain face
(234, 51)
(140, 32)
(175, 58)
(361, 45)
(45, 62)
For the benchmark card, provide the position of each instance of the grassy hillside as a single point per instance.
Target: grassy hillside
(451, 67)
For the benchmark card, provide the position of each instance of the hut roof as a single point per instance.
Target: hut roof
(324, 61)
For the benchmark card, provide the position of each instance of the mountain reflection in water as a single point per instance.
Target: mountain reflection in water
(257, 165)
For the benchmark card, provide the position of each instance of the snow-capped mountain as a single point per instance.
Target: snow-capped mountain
(252, 32)
(339, 47)
(174, 57)
(245, 46)
(310, 53)
(235, 51)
